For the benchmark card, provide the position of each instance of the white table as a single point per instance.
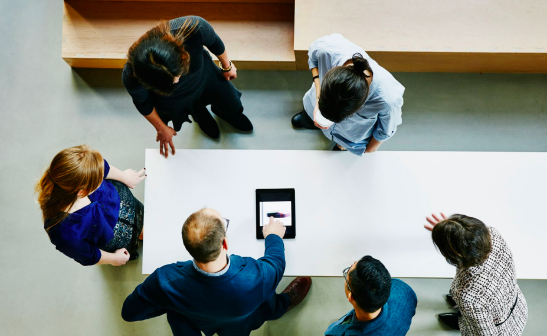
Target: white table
(349, 206)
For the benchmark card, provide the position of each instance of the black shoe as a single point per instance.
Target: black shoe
(207, 124)
(450, 300)
(450, 319)
(239, 122)
(303, 120)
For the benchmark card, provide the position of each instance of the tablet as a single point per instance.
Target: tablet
(276, 203)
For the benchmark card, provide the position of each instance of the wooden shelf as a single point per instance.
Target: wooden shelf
(97, 34)
(432, 35)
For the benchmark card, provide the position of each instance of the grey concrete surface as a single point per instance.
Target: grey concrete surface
(47, 106)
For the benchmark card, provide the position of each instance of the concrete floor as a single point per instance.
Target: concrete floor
(47, 106)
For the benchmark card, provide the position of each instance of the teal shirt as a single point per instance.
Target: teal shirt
(393, 320)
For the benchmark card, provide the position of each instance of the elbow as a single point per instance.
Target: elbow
(126, 312)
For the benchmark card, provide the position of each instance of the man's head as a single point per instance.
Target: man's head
(368, 284)
(204, 235)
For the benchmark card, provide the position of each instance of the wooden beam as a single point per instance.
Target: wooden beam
(432, 35)
(98, 34)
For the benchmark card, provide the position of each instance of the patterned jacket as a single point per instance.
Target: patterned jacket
(487, 294)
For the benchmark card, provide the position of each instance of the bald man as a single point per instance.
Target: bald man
(215, 292)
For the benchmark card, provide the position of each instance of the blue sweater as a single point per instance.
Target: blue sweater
(394, 319)
(81, 235)
(208, 302)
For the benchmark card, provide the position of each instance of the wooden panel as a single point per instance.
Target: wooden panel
(452, 30)
(451, 62)
(233, 1)
(98, 33)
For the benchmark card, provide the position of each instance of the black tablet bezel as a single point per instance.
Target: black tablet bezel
(290, 233)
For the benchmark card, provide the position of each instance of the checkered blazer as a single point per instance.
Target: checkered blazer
(486, 294)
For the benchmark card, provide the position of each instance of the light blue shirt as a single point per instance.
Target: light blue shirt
(380, 115)
(217, 274)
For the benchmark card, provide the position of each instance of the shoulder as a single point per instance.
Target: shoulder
(128, 79)
(388, 89)
(75, 226)
(400, 290)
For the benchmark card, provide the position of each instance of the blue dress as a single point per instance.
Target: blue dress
(99, 225)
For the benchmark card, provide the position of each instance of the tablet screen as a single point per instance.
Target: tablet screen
(280, 210)
(276, 203)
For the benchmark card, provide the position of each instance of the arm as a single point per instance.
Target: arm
(272, 263)
(212, 41)
(88, 255)
(373, 145)
(477, 320)
(129, 177)
(145, 302)
(388, 119)
(143, 103)
(118, 258)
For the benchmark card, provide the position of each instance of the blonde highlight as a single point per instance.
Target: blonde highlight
(72, 170)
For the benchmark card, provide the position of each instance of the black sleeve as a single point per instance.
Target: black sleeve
(209, 37)
(139, 94)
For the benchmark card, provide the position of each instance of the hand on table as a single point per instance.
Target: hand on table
(165, 137)
(121, 256)
(433, 221)
(133, 177)
(273, 227)
(232, 74)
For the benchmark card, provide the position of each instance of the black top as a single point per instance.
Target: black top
(192, 82)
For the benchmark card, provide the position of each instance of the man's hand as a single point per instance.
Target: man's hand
(434, 221)
(273, 227)
(132, 177)
(121, 256)
(165, 137)
(232, 74)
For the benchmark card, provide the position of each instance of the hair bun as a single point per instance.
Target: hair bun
(360, 64)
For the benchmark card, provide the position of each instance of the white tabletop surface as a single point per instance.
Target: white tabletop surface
(349, 206)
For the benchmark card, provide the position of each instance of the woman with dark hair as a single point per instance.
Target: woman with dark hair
(485, 288)
(170, 76)
(353, 100)
(89, 212)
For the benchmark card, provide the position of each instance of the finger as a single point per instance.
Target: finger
(142, 177)
(142, 171)
(429, 227)
(271, 220)
(431, 221)
(161, 148)
(172, 147)
(165, 149)
(436, 218)
(444, 216)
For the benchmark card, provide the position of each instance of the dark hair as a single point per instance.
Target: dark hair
(158, 56)
(344, 89)
(370, 284)
(464, 241)
(202, 235)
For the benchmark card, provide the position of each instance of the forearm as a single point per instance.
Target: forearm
(224, 60)
(373, 145)
(116, 174)
(106, 258)
(154, 119)
(315, 72)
